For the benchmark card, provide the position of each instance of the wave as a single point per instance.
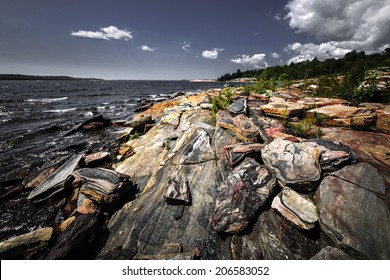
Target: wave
(60, 111)
(47, 100)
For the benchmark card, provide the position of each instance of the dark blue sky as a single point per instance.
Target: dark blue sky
(173, 39)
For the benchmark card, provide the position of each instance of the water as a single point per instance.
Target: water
(35, 114)
(34, 119)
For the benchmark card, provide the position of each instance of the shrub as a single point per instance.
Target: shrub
(222, 100)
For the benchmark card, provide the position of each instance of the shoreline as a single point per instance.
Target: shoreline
(174, 175)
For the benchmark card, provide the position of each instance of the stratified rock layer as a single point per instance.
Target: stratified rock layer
(353, 213)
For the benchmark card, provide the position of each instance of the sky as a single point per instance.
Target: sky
(182, 39)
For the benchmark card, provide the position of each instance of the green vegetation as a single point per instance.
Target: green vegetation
(306, 129)
(135, 135)
(222, 100)
(315, 68)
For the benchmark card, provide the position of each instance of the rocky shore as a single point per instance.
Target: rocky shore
(245, 183)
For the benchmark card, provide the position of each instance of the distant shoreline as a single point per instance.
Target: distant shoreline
(20, 77)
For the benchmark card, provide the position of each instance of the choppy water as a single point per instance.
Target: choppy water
(34, 119)
(35, 114)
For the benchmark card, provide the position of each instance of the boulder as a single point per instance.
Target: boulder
(96, 122)
(238, 107)
(353, 213)
(283, 109)
(235, 154)
(295, 165)
(55, 182)
(331, 253)
(268, 127)
(343, 116)
(333, 154)
(246, 188)
(296, 208)
(17, 247)
(102, 185)
(78, 240)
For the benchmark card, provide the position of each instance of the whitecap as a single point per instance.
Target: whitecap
(60, 111)
(88, 114)
(47, 100)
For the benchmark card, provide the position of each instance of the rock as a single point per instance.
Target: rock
(295, 165)
(370, 147)
(268, 127)
(240, 125)
(78, 240)
(206, 106)
(173, 248)
(178, 256)
(63, 225)
(139, 122)
(240, 196)
(331, 253)
(317, 102)
(353, 213)
(296, 208)
(85, 205)
(172, 119)
(274, 238)
(55, 182)
(283, 109)
(144, 225)
(343, 116)
(102, 185)
(36, 178)
(333, 155)
(143, 107)
(90, 124)
(178, 191)
(17, 247)
(96, 159)
(238, 107)
(235, 154)
(177, 94)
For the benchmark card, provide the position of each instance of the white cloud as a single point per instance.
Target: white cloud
(147, 48)
(211, 54)
(341, 25)
(309, 51)
(275, 55)
(105, 33)
(278, 17)
(246, 60)
(185, 46)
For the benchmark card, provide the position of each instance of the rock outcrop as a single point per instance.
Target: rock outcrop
(353, 212)
(246, 188)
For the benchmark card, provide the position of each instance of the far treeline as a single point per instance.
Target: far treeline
(315, 68)
(19, 77)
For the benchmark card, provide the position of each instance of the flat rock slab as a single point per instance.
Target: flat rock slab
(343, 116)
(352, 212)
(55, 182)
(235, 154)
(96, 158)
(283, 109)
(317, 102)
(246, 188)
(102, 185)
(295, 165)
(299, 210)
(17, 247)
